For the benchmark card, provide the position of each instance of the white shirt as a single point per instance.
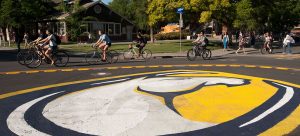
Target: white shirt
(288, 39)
(52, 41)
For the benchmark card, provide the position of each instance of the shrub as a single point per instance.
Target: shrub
(170, 36)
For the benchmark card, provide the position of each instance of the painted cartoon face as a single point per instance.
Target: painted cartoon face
(159, 103)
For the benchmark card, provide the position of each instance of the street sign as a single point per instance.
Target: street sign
(180, 10)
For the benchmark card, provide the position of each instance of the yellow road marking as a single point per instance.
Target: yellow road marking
(83, 69)
(66, 70)
(285, 126)
(281, 68)
(153, 66)
(14, 93)
(249, 66)
(49, 71)
(234, 65)
(194, 65)
(12, 73)
(221, 65)
(206, 65)
(265, 67)
(30, 72)
(112, 68)
(126, 67)
(140, 66)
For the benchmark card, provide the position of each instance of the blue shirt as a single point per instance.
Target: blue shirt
(105, 38)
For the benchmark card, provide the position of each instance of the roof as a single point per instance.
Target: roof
(62, 16)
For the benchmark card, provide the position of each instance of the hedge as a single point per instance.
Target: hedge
(170, 36)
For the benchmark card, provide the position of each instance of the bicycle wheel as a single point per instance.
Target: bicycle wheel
(21, 57)
(206, 54)
(32, 60)
(128, 54)
(263, 50)
(191, 55)
(61, 58)
(92, 57)
(114, 56)
(146, 54)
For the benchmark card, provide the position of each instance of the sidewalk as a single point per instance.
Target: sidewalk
(215, 53)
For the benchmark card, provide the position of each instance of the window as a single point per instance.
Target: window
(111, 29)
(117, 29)
(60, 28)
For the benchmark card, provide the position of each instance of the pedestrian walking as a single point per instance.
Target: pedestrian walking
(287, 43)
(26, 39)
(225, 41)
(242, 41)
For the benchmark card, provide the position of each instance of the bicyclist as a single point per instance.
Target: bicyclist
(140, 43)
(42, 35)
(200, 41)
(52, 46)
(103, 43)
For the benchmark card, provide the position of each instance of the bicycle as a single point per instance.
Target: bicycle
(35, 57)
(95, 56)
(21, 55)
(197, 50)
(266, 48)
(131, 53)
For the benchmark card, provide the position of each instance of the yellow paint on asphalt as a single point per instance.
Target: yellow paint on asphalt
(140, 66)
(250, 66)
(83, 69)
(281, 68)
(153, 66)
(220, 65)
(195, 65)
(112, 67)
(206, 65)
(31, 72)
(285, 126)
(234, 65)
(66, 70)
(49, 71)
(265, 67)
(127, 67)
(13, 93)
(12, 73)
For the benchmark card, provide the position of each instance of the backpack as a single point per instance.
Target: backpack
(57, 39)
(206, 41)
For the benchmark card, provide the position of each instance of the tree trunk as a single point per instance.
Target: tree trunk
(151, 34)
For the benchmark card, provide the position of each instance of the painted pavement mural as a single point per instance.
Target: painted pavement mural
(178, 102)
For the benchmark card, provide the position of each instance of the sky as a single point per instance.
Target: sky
(106, 1)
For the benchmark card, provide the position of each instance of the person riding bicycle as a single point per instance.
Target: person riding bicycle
(103, 43)
(140, 43)
(200, 41)
(52, 46)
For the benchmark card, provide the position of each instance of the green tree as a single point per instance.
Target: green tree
(244, 16)
(134, 10)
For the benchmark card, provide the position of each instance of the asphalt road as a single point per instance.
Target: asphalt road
(16, 78)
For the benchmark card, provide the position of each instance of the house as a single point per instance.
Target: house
(96, 15)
